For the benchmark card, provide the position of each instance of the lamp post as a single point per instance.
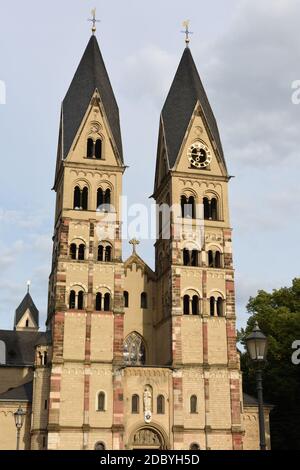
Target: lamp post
(256, 344)
(19, 416)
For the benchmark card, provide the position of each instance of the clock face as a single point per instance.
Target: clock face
(199, 155)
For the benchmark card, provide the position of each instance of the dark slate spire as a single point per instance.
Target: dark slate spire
(27, 303)
(185, 91)
(90, 75)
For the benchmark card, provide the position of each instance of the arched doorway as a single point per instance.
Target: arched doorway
(148, 437)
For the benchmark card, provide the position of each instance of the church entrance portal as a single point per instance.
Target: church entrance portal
(148, 438)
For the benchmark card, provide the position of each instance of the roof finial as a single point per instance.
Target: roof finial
(93, 20)
(187, 32)
(28, 286)
(134, 242)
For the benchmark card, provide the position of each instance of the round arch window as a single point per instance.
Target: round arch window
(99, 446)
(194, 446)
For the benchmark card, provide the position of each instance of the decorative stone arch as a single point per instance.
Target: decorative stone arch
(105, 184)
(188, 191)
(150, 436)
(78, 239)
(191, 291)
(79, 285)
(216, 293)
(82, 182)
(214, 246)
(103, 288)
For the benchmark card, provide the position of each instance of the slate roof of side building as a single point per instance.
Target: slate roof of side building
(21, 393)
(20, 345)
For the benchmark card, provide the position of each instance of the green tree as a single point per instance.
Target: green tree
(278, 316)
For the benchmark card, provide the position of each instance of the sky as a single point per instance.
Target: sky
(248, 55)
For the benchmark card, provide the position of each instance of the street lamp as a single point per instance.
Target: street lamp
(256, 344)
(19, 416)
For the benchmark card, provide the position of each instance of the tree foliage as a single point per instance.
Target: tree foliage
(278, 316)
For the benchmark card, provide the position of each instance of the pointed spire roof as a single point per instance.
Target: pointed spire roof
(90, 75)
(27, 304)
(185, 91)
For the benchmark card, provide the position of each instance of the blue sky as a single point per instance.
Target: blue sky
(247, 53)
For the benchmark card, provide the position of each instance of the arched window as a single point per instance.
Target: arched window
(84, 197)
(186, 257)
(108, 253)
(98, 301)
(126, 299)
(210, 259)
(144, 303)
(72, 299)
(27, 323)
(194, 446)
(100, 198)
(195, 258)
(73, 249)
(99, 446)
(90, 148)
(101, 401)
(217, 259)
(183, 203)
(100, 253)
(206, 208)
(160, 405)
(214, 209)
(212, 306)
(107, 197)
(195, 305)
(80, 300)
(107, 302)
(135, 404)
(191, 207)
(98, 149)
(134, 351)
(193, 404)
(81, 251)
(186, 305)
(77, 198)
(220, 307)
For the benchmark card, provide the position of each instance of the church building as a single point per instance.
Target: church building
(132, 358)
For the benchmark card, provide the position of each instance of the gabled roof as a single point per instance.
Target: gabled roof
(179, 106)
(21, 393)
(91, 75)
(27, 303)
(136, 259)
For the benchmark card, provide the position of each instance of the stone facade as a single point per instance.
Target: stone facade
(138, 358)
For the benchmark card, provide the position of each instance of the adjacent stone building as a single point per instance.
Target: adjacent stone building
(132, 358)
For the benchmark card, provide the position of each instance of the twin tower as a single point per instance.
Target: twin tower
(139, 359)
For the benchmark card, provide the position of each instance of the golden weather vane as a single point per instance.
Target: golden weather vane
(93, 20)
(187, 32)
